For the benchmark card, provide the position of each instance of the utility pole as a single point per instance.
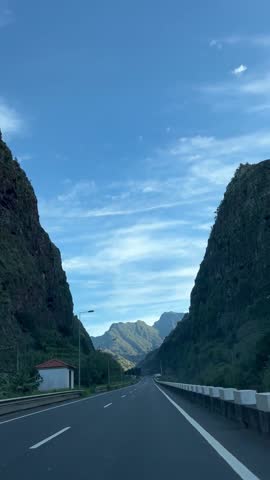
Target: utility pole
(17, 359)
(161, 372)
(79, 372)
(109, 375)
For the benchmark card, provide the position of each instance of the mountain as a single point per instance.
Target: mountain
(131, 341)
(167, 323)
(225, 338)
(36, 308)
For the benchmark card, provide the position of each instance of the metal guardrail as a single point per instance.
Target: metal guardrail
(40, 395)
(16, 404)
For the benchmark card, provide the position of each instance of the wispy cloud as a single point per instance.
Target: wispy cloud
(260, 108)
(249, 94)
(255, 40)
(25, 157)
(235, 149)
(10, 120)
(239, 70)
(215, 43)
(6, 17)
(120, 251)
(103, 211)
(134, 237)
(77, 190)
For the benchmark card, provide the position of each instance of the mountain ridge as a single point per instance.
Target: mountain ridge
(133, 340)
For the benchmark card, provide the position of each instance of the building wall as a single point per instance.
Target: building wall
(55, 378)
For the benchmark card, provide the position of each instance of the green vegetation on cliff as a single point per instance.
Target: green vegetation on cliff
(36, 308)
(225, 337)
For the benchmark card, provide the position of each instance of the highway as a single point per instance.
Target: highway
(138, 432)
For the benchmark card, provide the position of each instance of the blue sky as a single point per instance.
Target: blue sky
(130, 119)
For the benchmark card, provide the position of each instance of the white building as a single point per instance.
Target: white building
(55, 374)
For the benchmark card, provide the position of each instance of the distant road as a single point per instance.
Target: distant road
(136, 433)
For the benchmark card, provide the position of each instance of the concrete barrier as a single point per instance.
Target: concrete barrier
(206, 391)
(245, 397)
(263, 402)
(227, 394)
(12, 405)
(253, 414)
(214, 392)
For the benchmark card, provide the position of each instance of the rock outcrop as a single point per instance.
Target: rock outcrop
(34, 293)
(225, 337)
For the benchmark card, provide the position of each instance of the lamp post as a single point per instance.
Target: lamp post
(79, 341)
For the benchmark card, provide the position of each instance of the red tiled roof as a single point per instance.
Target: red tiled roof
(54, 364)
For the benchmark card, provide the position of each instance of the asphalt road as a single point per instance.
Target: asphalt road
(139, 432)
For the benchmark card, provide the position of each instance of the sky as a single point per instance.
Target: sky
(130, 119)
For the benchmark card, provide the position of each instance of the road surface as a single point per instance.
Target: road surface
(138, 432)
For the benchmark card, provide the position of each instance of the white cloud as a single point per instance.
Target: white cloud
(148, 262)
(119, 251)
(219, 148)
(10, 120)
(215, 43)
(239, 70)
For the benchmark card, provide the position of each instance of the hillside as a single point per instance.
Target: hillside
(131, 341)
(225, 338)
(36, 308)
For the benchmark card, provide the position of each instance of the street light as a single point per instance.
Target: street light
(79, 360)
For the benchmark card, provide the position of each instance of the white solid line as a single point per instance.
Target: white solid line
(49, 438)
(108, 404)
(59, 406)
(123, 396)
(230, 459)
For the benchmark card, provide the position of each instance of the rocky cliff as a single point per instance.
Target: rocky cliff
(34, 293)
(225, 338)
(36, 308)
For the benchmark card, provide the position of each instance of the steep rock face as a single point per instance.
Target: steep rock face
(225, 338)
(34, 293)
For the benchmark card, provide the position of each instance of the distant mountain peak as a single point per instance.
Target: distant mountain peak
(167, 322)
(131, 341)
